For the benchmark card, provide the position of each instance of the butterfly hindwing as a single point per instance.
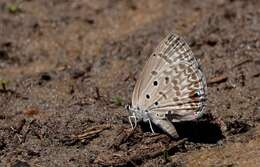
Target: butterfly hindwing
(184, 94)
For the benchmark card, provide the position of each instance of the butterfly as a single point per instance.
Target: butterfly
(171, 87)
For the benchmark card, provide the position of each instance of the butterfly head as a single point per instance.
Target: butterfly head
(137, 115)
(135, 112)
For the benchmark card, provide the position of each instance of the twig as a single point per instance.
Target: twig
(97, 96)
(87, 134)
(218, 79)
(256, 75)
(81, 102)
(12, 92)
(135, 155)
(125, 159)
(92, 131)
(157, 152)
(123, 136)
(242, 63)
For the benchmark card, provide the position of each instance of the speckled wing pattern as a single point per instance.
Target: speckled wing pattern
(171, 86)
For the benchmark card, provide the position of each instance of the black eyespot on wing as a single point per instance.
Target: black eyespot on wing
(147, 96)
(156, 103)
(169, 115)
(154, 72)
(167, 79)
(197, 94)
(155, 83)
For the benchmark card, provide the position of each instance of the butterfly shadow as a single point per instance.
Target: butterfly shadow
(199, 131)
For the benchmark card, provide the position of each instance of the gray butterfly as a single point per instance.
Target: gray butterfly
(171, 87)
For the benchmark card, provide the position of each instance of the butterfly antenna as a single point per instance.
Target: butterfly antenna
(135, 121)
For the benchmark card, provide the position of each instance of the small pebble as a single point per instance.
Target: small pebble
(76, 73)
(45, 77)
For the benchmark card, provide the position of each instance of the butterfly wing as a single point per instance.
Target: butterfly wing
(171, 83)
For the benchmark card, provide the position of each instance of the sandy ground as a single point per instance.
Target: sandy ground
(67, 68)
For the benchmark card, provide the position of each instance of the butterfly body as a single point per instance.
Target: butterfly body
(171, 87)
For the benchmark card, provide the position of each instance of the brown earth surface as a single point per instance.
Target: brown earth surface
(67, 68)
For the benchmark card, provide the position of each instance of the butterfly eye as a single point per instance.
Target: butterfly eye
(155, 83)
(147, 96)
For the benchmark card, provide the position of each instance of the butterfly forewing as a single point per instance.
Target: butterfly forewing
(171, 81)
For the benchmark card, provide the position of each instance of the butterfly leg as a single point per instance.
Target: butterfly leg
(151, 127)
(130, 120)
(167, 127)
